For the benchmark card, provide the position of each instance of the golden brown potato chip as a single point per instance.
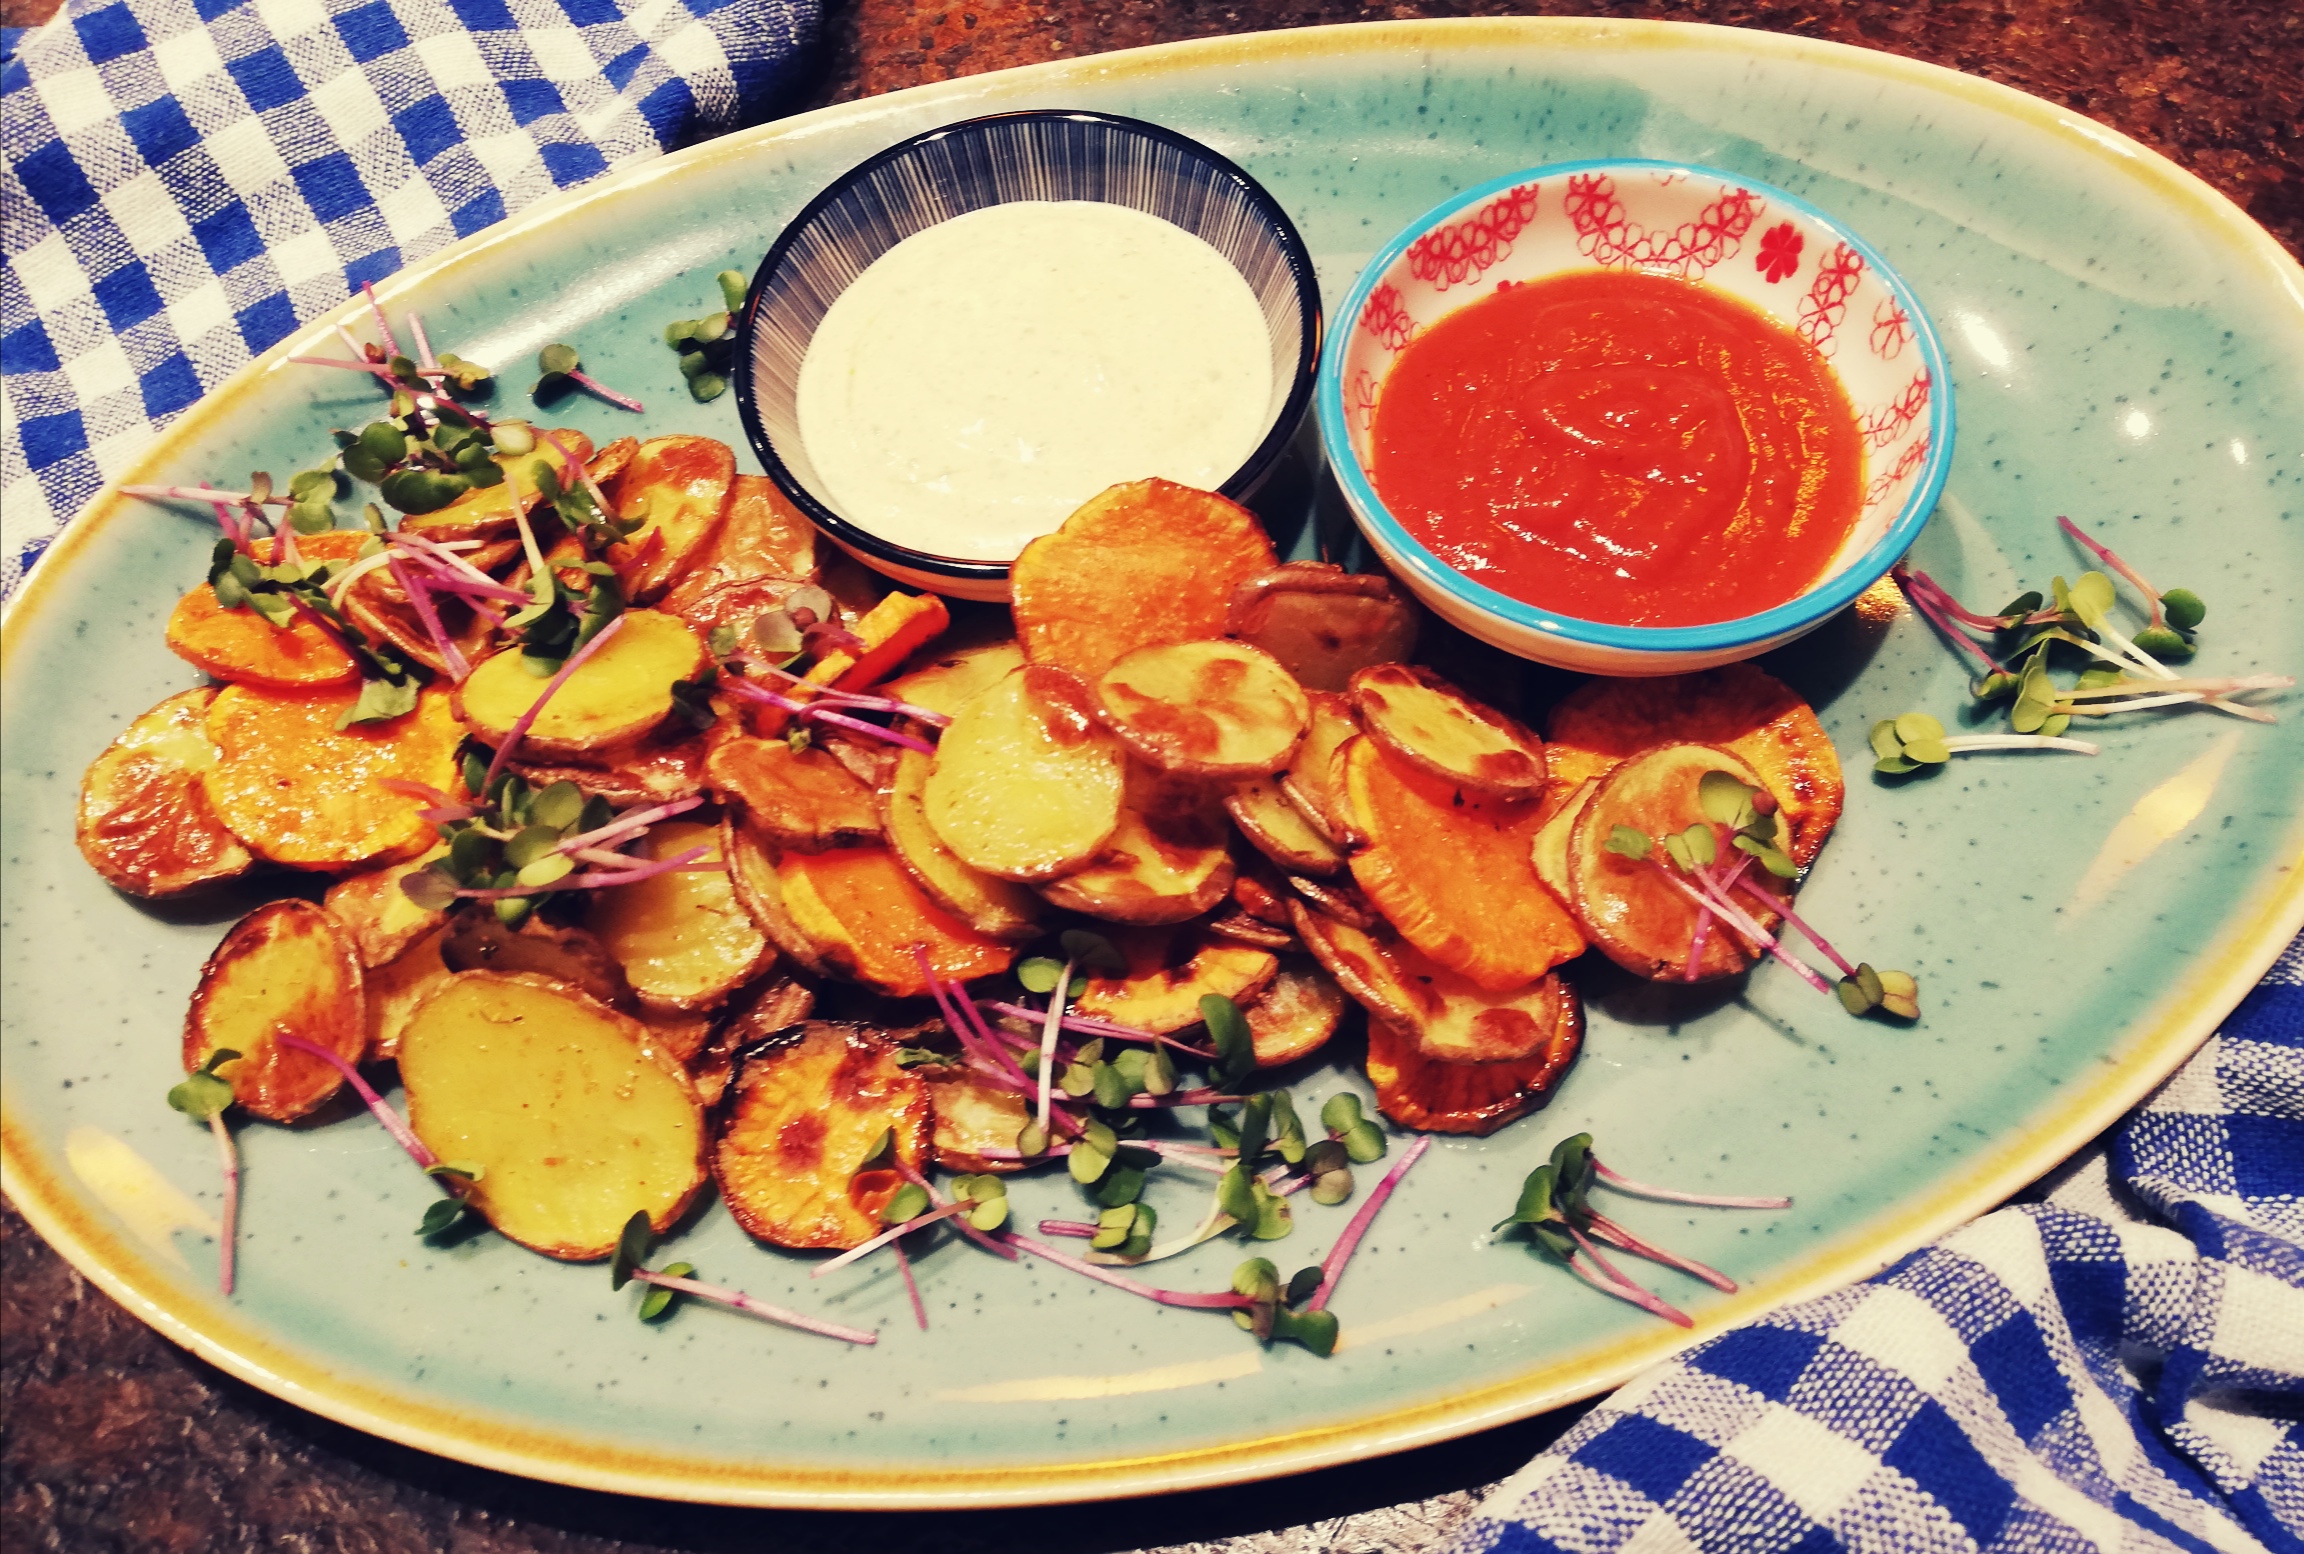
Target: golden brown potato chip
(1026, 784)
(376, 911)
(1168, 972)
(802, 799)
(1451, 870)
(145, 823)
(653, 771)
(872, 923)
(752, 868)
(946, 681)
(1278, 829)
(1167, 860)
(241, 645)
(1323, 623)
(998, 908)
(1140, 564)
(619, 695)
(684, 940)
(678, 488)
(1429, 723)
(1295, 1014)
(974, 1115)
(761, 538)
(1478, 1098)
(1311, 781)
(799, 1126)
(1550, 851)
(286, 967)
(575, 1117)
(1210, 709)
(1249, 930)
(1739, 707)
(303, 792)
(475, 939)
(1452, 1018)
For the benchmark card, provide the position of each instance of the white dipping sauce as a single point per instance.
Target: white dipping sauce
(985, 377)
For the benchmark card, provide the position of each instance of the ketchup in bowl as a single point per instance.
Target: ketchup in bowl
(1621, 447)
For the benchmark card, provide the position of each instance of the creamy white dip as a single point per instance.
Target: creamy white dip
(986, 376)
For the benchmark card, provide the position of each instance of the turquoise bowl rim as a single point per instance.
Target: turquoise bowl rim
(1746, 631)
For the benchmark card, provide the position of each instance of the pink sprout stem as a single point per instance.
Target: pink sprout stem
(817, 712)
(861, 699)
(1332, 1268)
(1783, 909)
(1202, 1097)
(376, 370)
(1931, 603)
(1227, 1300)
(323, 625)
(446, 554)
(720, 1294)
(691, 861)
(576, 661)
(465, 588)
(911, 1286)
(1744, 924)
(1639, 1246)
(948, 1002)
(960, 1224)
(1088, 1025)
(400, 1131)
(204, 494)
(583, 380)
(424, 357)
(414, 790)
(893, 1233)
(583, 471)
(1067, 1227)
(2105, 554)
(1625, 1184)
(1048, 1030)
(632, 820)
(229, 1221)
(421, 598)
(383, 324)
(1633, 1293)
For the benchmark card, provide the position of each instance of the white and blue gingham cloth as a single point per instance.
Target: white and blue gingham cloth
(187, 181)
(2117, 1367)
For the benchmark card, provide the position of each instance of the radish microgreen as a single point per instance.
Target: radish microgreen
(707, 345)
(560, 370)
(1363, 1141)
(626, 1265)
(205, 1095)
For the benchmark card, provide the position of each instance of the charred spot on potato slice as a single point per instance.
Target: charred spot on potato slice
(288, 966)
(1429, 723)
(1169, 970)
(1210, 709)
(1296, 1013)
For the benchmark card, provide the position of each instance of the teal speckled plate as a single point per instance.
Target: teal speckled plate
(2126, 347)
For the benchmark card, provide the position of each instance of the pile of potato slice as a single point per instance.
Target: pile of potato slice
(1228, 765)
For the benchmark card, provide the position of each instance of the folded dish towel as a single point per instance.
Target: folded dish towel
(2119, 1366)
(187, 181)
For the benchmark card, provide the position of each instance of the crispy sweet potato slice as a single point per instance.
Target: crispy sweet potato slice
(1429, 723)
(576, 1118)
(678, 488)
(287, 966)
(1324, 623)
(1026, 784)
(1311, 780)
(1169, 972)
(476, 940)
(1295, 1014)
(1452, 1018)
(1140, 564)
(1628, 906)
(618, 695)
(798, 1125)
(394, 990)
(1168, 860)
(377, 913)
(242, 646)
(973, 1115)
(804, 799)
(1739, 707)
(946, 681)
(1437, 1097)
(302, 792)
(1212, 709)
(997, 908)
(1451, 870)
(144, 820)
(1278, 829)
(761, 537)
(1550, 851)
(485, 512)
(752, 869)
(874, 922)
(684, 940)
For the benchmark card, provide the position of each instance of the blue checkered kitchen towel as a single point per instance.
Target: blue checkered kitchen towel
(187, 181)
(2119, 1366)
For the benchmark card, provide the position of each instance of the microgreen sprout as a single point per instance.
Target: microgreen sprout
(1269, 1315)
(707, 345)
(626, 1266)
(1228, 1034)
(1914, 741)
(205, 1096)
(292, 589)
(515, 846)
(1362, 1140)
(560, 369)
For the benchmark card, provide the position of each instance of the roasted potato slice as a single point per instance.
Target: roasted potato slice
(677, 487)
(476, 940)
(752, 869)
(300, 791)
(618, 695)
(1278, 829)
(1452, 1018)
(761, 537)
(575, 1117)
(1438, 1097)
(1210, 709)
(1628, 906)
(997, 908)
(394, 990)
(973, 1115)
(653, 771)
(1322, 623)
(1169, 972)
(1429, 723)
(485, 512)
(1295, 1014)
(1166, 862)
(774, 1003)
(1248, 930)
(1026, 784)
(684, 940)
(1139, 564)
(607, 466)
(377, 913)
(680, 1036)
(799, 1125)
(287, 967)
(1257, 893)
(1550, 850)
(145, 823)
(242, 646)
(948, 679)
(1739, 707)
(874, 923)
(1335, 899)
(803, 799)
(1452, 870)
(735, 605)
(1311, 780)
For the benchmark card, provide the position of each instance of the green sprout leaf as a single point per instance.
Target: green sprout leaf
(658, 1300)
(1228, 1029)
(1628, 843)
(1039, 973)
(553, 365)
(631, 1249)
(1315, 1330)
(1535, 1205)
(1091, 951)
(441, 1217)
(909, 1202)
(204, 1093)
(2183, 609)
(2160, 642)
(732, 289)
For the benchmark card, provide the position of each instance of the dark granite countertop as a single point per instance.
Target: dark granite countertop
(115, 1439)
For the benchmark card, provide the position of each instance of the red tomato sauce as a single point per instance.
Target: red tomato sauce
(1621, 447)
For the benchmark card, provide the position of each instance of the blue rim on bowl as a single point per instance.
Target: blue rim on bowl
(858, 204)
(1718, 640)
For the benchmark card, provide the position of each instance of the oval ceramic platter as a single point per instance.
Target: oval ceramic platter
(2126, 347)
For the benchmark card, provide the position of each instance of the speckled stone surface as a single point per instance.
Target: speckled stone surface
(116, 1440)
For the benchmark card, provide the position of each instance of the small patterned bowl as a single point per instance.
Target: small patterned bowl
(1758, 244)
(1042, 155)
